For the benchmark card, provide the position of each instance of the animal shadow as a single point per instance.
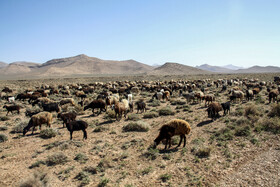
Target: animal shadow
(204, 123)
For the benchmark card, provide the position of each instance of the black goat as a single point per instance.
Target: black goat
(98, 103)
(12, 108)
(226, 107)
(51, 107)
(141, 105)
(76, 126)
(69, 116)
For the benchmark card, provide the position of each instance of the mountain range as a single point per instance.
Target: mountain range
(83, 65)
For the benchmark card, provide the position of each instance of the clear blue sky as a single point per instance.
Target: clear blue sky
(191, 32)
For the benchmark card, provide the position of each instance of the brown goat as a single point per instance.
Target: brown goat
(120, 109)
(38, 120)
(214, 109)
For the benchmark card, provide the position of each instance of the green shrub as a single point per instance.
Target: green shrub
(3, 128)
(203, 152)
(224, 134)
(81, 158)
(150, 115)
(165, 177)
(37, 164)
(48, 133)
(243, 131)
(155, 103)
(56, 158)
(109, 115)
(83, 177)
(133, 117)
(146, 170)
(103, 182)
(3, 138)
(166, 111)
(271, 125)
(138, 126)
(177, 102)
(100, 129)
(4, 118)
(151, 154)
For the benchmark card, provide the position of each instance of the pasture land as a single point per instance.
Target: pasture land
(239, 149)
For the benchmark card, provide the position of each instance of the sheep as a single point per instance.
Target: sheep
(214, 109)
(238, 94)
(67, 100)
(172, 128)
(12, 108)
(226, 107)
(141, 105)
(49, 107)
(199, 95)
(98, 103)
(76, 126)
(158, 95)
(11, 99)
(71, 116)
(23, 96)
(38, 120)
(189, 96)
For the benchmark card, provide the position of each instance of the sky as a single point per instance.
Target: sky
(190, 32)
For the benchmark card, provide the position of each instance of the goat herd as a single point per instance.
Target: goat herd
(118, 96)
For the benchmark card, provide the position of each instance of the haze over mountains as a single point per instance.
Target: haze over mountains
(91, 66)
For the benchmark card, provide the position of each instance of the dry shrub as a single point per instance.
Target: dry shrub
(150, 115)
(251, 110)
(203, 152)
(133, 117)
(3, 138)
(166, 111)
(275, 111)
(48, 133)
(19, 127)
(56, 158)
(271, 125)
(139, 126)
(38, 179)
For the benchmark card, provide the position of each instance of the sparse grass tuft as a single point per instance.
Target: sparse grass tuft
(155, 103)
(146, 170)
(203, 152)
(100, 129)
(3, 128)
(270, 125)
(4, 118)
(103, 182)
(151, 153)
(48, 133)
(251, 110)
(139, 126)
(243, 131)
(90, 169)
(37, 164)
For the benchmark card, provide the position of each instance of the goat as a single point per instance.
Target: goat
(214, 109)
(172, 128)
(226, 107)
(67, 100)
(70, 116)
(38, 120)
(49, 107)
(76, 126)
(141, 105)
(120, 109)
(12, 108)
(98, 103)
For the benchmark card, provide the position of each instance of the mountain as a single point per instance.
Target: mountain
(217, 69)
(3, 64)
(260, 69)
(77, 65)
(232, 67)
(170, 68)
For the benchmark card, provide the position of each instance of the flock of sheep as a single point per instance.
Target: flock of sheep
(119, 97)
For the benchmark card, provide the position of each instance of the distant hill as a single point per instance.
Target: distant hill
(260, 69)
(170, 68)
(233, 67)
(77, 65)
(216, 69)
(3, 64)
